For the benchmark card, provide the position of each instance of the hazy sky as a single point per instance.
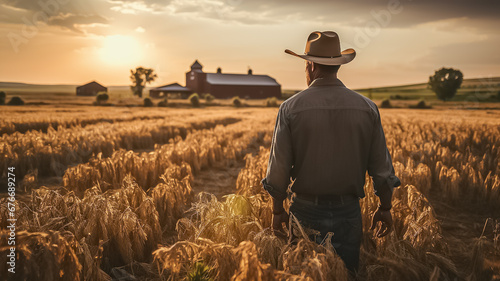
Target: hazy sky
(397, 42)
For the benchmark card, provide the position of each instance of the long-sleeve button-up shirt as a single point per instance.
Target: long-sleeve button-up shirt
(325, 139)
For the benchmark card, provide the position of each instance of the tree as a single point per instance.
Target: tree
(209, 98)
(16, 101)
(386, 104)
(194, 99)
(163, 103)
(148, 102)
(445, 83)
(102, 98)
(3, 96)
(272, 102)
(140, 77)
(237, 102)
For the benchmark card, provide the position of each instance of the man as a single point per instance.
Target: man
(325, 139)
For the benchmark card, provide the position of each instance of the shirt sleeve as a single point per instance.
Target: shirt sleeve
(380, 166)
(280, 159)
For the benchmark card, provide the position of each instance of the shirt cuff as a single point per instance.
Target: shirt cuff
(388, 185)
(393, 181)
(274, 192)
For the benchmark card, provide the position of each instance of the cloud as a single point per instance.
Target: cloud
(76, 22)
(222, 10)
(218, 10)
(413, 12)
(480, 52)
(25, 5)
(359, 12)
(11, 15)
(321, 12)
(345, 12)
(54, 7)
(68, 14)
(138, 6)
(464, 25)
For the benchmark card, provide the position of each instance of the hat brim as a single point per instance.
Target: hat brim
(346, 56)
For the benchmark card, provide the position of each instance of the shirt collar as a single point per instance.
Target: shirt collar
(326, 81)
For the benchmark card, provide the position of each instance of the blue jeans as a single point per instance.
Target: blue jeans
(343, 219)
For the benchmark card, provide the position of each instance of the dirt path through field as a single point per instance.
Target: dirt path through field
(219, 180)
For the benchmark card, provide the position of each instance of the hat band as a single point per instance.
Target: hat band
(307, 54)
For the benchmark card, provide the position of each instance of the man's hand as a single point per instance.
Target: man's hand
(385, 218)
(278, 220)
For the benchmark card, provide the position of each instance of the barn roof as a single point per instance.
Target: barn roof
(174, 87)
(93, 83)
(240, 79)
(196, 65)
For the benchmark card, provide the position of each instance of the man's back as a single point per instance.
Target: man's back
(331, 132)
(325, 139)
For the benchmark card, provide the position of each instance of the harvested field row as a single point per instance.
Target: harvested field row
(58, 121)
(458, 159)
(52, 152)
(122, 225)
(200, 149)
(34, 118)
(104, 230)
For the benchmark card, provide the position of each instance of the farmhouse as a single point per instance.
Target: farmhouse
(173, 88)
(90, 89)
(227, 85)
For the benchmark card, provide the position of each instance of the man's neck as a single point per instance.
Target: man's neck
(327, 76)
(326, 81)
(323, 76)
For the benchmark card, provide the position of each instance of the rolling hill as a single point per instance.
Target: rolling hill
(476, 87)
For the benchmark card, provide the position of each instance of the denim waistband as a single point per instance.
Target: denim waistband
(329, 200)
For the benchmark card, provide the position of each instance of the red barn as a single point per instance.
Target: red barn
(222, 85)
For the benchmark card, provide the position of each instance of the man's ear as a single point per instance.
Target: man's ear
(313, 66)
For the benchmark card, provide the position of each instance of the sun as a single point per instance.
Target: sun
(121, 50)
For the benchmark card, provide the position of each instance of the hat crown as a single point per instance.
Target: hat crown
(324, 48)
(323, 44)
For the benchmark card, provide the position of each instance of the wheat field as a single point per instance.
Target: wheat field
(175, 194)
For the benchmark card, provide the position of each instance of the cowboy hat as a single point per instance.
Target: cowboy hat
(324, 48)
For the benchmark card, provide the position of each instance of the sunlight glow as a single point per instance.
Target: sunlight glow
(121, 50)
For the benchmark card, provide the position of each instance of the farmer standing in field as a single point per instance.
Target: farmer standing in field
(325, 139)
